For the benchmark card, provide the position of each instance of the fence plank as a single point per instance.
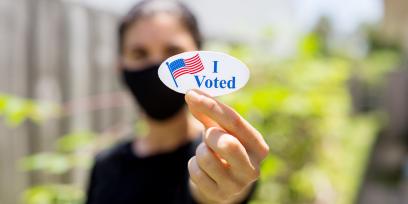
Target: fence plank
(13, 69)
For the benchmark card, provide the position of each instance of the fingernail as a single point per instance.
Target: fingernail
(194, 92)
(193, 95)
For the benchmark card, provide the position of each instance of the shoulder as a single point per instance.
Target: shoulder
(114, 154)
(106, 171)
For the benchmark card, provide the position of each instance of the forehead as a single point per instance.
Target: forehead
(159, 28)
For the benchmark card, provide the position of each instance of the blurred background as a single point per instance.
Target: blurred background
(328, 90)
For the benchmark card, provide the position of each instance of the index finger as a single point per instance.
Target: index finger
(214, 113)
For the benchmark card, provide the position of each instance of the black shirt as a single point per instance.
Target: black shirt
(121, 177)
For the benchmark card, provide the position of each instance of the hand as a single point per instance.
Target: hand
(227, 161)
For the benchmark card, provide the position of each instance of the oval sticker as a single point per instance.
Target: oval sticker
(215, 73)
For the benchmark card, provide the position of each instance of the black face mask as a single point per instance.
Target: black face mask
(157, 101)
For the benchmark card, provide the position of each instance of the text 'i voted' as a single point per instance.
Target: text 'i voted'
(213, 72)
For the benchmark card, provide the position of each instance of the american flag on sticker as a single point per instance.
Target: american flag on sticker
(182, 66)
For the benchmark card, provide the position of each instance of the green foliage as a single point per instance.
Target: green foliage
(319, 148)
(376, 66)
(16, 110)
(53, 194)
(310, 46)
(75, 141)
(72, 152)
(55, 163)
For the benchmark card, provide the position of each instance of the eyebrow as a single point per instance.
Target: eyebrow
(135, 45)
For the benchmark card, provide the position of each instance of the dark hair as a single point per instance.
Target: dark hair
(150, 7)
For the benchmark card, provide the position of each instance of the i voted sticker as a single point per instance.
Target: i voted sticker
(213, 72)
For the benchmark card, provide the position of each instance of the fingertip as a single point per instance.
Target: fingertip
(189, 163)
(202, 93)
(214, 130)
(191, 92)
(192, 96)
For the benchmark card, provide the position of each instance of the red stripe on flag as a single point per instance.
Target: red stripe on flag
(192, 66)
(185, 71)
(196, 57)
(191, 71)
(192, 63)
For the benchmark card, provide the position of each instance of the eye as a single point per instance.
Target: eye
(138, 54)
(173, 50)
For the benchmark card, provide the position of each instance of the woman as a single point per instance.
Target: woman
(214, 159)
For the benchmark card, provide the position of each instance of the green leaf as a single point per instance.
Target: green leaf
(53, 194)
(3, 103)
(16, 111)
(271, 166)
(75, 141)
(41, 111)
(53, 163)
(310, 45)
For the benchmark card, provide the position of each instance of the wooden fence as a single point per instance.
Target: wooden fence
(64, 52)
(55, 51)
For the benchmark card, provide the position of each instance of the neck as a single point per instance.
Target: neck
(167, 135)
